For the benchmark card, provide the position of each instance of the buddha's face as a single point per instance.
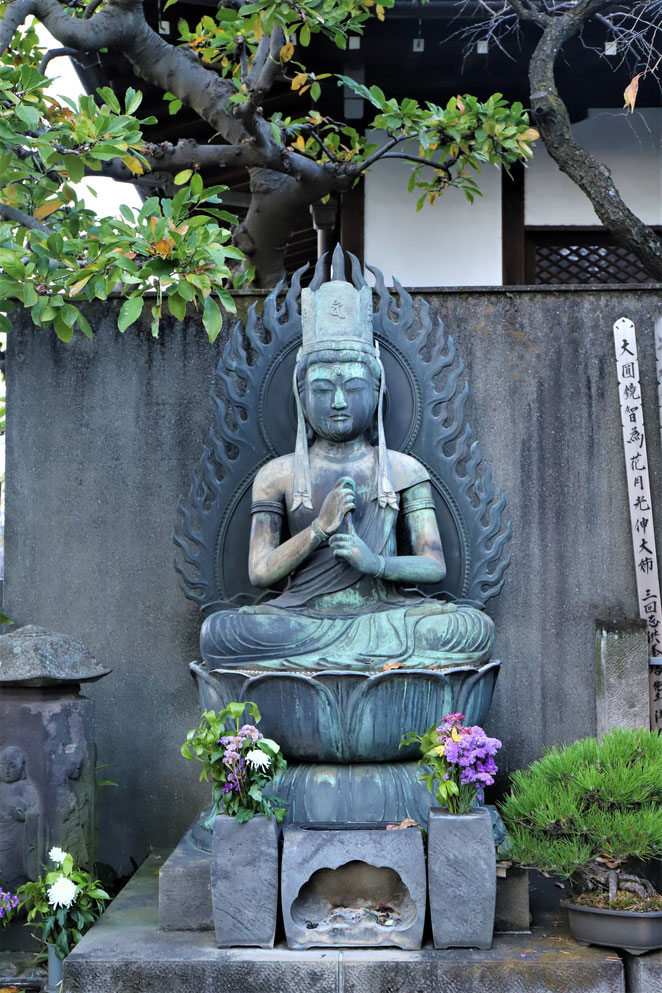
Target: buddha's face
(12, 764)
(73, 763)
(340, 399)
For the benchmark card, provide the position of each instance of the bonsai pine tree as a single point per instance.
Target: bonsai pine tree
(583, 810)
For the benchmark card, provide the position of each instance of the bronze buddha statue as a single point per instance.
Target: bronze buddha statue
(348, 602)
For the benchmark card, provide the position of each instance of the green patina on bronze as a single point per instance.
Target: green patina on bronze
(348, 602)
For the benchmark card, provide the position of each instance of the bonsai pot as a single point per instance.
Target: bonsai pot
(461, 878)
(634, 931)
(244, 881)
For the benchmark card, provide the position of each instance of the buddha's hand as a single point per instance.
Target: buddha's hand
(354, 550)
(340, 501)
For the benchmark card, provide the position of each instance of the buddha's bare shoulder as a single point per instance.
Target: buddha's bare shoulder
(273, 478)
(406, 471)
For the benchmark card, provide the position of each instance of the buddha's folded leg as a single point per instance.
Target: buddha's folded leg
(463, 634)
(236, 637)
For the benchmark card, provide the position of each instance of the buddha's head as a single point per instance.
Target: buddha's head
(12, 764)
(338, 380)
(73, 762)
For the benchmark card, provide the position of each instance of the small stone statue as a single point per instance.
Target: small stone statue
(324, 520)
(72, 804)
(19, 820)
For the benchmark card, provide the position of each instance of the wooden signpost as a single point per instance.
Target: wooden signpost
(639, 499)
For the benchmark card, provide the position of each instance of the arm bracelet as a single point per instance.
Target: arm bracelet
(317, 530)
(382, 566)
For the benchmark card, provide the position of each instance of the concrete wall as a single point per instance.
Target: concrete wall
(102, 436)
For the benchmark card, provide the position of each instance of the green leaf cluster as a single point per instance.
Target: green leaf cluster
(455, 141)
(588, 804)
(65, 926)
(232, 34)
(252, 797)
(176, 250)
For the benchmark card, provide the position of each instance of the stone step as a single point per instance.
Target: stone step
(125, 952)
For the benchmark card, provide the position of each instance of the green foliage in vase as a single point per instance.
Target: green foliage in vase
(583, 810)
(67, 902)
(239, 761)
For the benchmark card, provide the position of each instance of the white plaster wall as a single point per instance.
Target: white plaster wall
(453, 243)
(629, 144)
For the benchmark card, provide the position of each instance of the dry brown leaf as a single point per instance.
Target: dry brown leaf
(48, 208)
(392, 665)
(407, 823)
(631, 90)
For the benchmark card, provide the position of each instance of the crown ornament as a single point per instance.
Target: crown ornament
(336, 317)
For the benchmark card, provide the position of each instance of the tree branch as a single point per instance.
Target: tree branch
(553, 121)
(419, 160)
(91, 8)
(18, 217)
(259, 59)
(56, 53)
(527, 12)
(362, 166)
(272, 69)
(121, 25)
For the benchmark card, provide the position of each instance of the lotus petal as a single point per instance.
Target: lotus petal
(389, 705)
(298, 712)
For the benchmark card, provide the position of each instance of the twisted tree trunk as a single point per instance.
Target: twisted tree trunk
(553, 121)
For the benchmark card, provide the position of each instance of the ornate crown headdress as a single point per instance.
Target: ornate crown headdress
(338, 317)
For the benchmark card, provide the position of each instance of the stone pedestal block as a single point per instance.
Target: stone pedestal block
(621, 675)
(461, 878)
(244, 882)
(512, 911)
(643, 973)
(185, 889)
(353, 884)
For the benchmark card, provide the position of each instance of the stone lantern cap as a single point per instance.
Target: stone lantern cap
(33, 656)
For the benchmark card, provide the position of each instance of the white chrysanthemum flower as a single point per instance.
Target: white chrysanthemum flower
(62, 893)
(258, 759)
(57, 855)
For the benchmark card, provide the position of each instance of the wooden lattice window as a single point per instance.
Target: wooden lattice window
(570, 255)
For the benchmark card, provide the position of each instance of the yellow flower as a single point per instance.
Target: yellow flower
(440, 749)
(455, 736)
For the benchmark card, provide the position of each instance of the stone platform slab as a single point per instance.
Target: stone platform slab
(127, 953)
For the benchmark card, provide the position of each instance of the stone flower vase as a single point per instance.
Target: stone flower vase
(54, 983)
(244, 881)
(461, 878)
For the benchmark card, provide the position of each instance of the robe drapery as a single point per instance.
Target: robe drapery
(330, 616)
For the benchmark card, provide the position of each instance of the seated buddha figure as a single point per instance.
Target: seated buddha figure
(324, 520)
